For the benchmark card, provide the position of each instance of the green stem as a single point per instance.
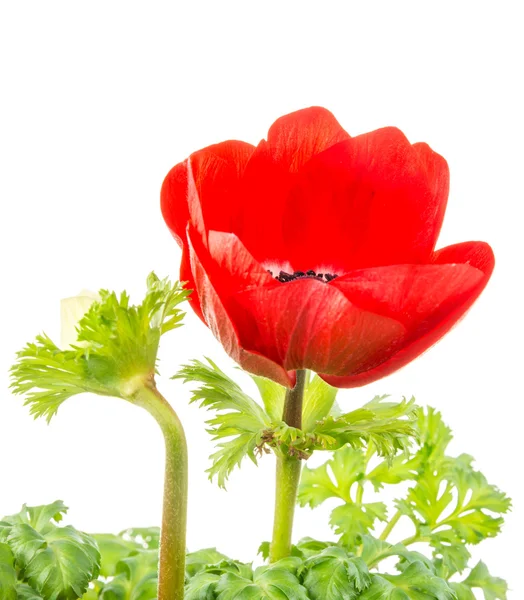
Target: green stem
(360, 493)
(287, 476)
(389, 527)
(414, 539)
(174, 511)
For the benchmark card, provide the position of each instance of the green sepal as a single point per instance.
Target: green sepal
(273, 395)
(319, 399)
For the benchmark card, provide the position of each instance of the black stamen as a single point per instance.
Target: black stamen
(284, 277)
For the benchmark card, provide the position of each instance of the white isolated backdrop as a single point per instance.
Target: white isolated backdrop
(99, 100)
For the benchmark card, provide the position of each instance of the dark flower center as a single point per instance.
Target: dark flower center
(285, 277)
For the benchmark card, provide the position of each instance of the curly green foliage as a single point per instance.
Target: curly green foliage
(388, 426)
(56, 563)
(450, 504)
(319, 571)
(239, 419)
(415, 583)
(228, 580)
(245, 428)
(336, 479)
(118, 342)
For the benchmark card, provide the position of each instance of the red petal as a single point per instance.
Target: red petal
(218, 320)
(235, 267)
(432, 299)
(370, 200)
(309, 324)
(292, 141)
(210, 185)
(295, 138)
(173, 202)
(186, 276)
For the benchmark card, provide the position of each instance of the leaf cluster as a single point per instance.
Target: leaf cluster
(323, 570)
(244, 427)
(117, 343)
(41, 560)
(449, 503)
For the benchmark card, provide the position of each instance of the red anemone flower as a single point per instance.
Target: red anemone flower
(316, 250)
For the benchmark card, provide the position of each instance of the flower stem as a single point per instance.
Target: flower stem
(171, 568)
(389, 527)
(287, 476)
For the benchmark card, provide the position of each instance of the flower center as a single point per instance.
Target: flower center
(285, 277)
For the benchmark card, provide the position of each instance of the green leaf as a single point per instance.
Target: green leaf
(334, 573)
(7, 574)
(493, 588)
(333, 479)
(307, 547)
(393, 470)
(238, 417)
(462, 592)
(435, 435)
(58, 564)
(289, 563)
(207, 568)
(350, 521)
(42, 518)
(94, 590)
(202, 586)
(118, 344)
(272, 583)
(415, 583)
(113, 548)
(448, 507)
(388, 426)
(196, 561)
(374, 550)
(136, 578)
(26, 592)
(319, 398)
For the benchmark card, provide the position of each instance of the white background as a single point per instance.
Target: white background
(99, 100)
